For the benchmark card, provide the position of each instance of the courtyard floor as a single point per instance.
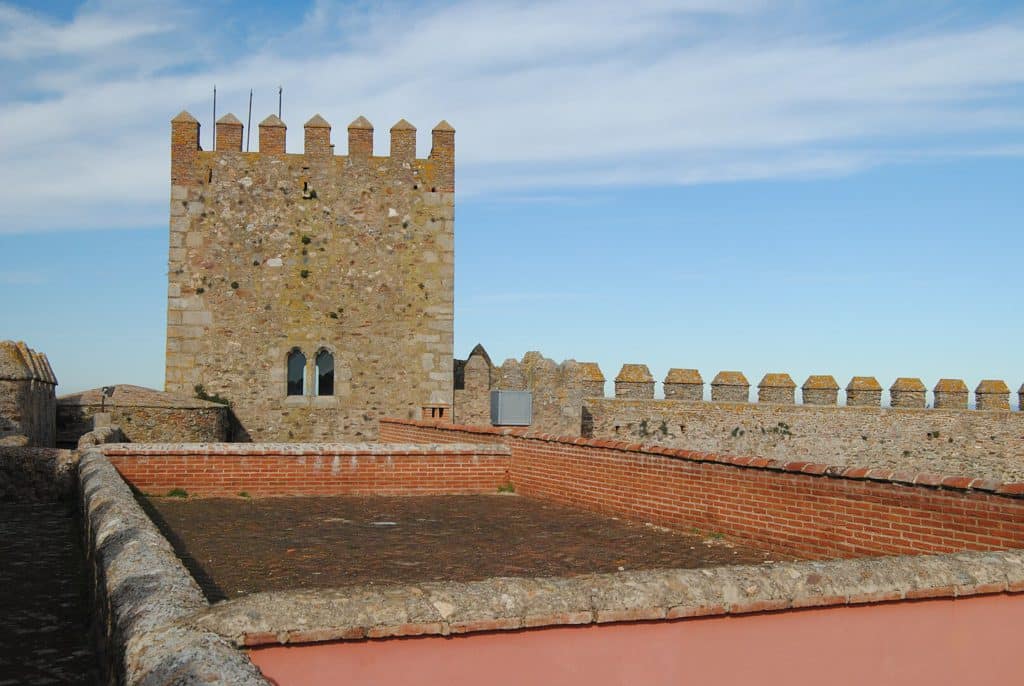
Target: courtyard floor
(237, 546)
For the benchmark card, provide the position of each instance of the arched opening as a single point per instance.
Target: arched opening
(296, 372)
(324, 373)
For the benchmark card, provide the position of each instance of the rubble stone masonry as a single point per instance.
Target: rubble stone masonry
(272, 253)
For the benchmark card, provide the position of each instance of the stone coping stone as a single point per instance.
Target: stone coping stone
(634, 373)
(996, 386)
(728, 378)
(142, 591)
(590, 371)
(907, 383)
(779, 380)
(445, 608)
(863, 383)
(300, 449)
(922, 479)
(684, 376)
(823, 382)
(950, 386)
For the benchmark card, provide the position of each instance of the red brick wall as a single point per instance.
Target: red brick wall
(215, 470)
(809, 514)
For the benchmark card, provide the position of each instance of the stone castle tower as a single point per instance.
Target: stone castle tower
(312, 291)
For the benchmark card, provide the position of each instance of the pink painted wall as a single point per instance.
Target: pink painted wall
(964, 641)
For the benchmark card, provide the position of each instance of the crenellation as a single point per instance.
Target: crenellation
(950, 394)
(228, 134)
(992, 394)
(403, 141)
(863, 391)
(683, 384)
(272, 136)
(317, 141)
(442, 152)
(730, 387)
(27, 396)
(907, 392)
(776, 388)
(360, 140)
(820, 389)
(634, 381)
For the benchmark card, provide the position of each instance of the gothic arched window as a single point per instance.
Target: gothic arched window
(324, 373)
(296, 372)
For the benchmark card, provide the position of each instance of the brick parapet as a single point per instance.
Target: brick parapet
(391, 429)
(312, 469)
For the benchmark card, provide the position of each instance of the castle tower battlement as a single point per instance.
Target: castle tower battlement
(313, 291)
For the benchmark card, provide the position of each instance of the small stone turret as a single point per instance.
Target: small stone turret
(863, 391)
(591, 379)
(272, 135)
(907, 392)
(776, 388)
(442, 152)
(28, 402)
(992, 394)
(951, 394)
(318, 138)
(683, 384)
(634, 381)
(360, 139)
(730, 387)
(403, 141)
(229, 134)
(820, 389)
(184, 147)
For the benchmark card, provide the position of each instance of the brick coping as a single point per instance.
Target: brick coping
(497, 604)
(299, 449)
(952, 482)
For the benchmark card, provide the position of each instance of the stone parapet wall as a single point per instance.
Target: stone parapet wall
(945, 441)
(143, 594)
(804, 508)
(558, 389)
(312, 469)
(27, 397)
(140, 424)
(37, 475)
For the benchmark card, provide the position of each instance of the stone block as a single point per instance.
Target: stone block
(992, 394)
(683, 384)
(820, 389)
(634, 381)
(907, 392)
(730, 387)
(863, 391)
(776, 388)
(951, 394)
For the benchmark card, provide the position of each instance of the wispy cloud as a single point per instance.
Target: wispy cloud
(545, 95)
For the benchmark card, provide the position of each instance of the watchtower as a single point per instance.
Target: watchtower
(312, 291)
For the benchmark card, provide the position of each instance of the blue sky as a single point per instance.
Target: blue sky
(763, 186)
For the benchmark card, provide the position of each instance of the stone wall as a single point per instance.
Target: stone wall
(273, 252)
(143, 594)
(558, 389)
(943, 441)
(37, 475)
(27, 396)
(144, 415)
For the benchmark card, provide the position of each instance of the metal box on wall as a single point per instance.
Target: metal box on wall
(511, 408)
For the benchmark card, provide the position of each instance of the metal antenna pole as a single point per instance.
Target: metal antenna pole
(279, 91)
(248, 123)
(213, 129)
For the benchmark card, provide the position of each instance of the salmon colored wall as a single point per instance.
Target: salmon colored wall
(935, 642)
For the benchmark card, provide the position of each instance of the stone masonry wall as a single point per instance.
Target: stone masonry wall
(558, 389)
(271, 252)
(27, 396)
(942, 441)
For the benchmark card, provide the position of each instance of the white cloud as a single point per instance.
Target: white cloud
(545, 95)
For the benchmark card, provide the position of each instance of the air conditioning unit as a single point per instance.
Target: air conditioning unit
(511, 408)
